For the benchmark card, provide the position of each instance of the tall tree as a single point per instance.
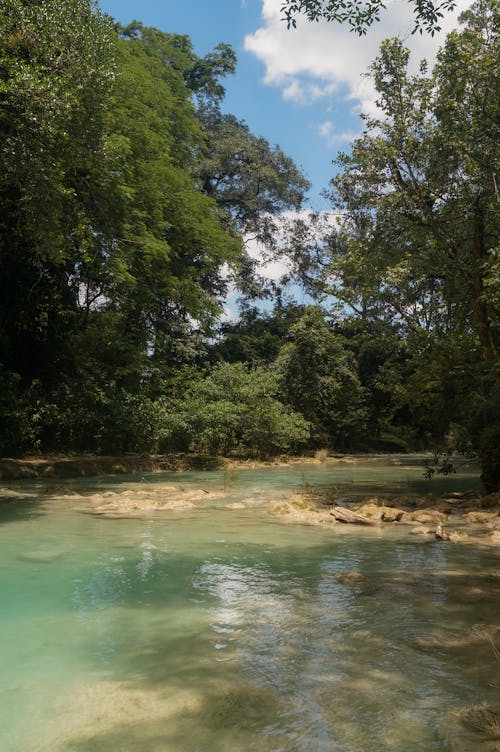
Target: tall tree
(419, 191)
(158, 263)
(56, 74)
(249, 179)
(418, 244)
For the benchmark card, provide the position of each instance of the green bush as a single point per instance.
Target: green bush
(233, 409)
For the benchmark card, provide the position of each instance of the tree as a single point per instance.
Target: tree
(418, 193)
(257, 337)
(419, 197)
(252, 182)
(56, 75)
(233, 408)
(249, 179)
(113, 258)
(360, 14)
(319, 380)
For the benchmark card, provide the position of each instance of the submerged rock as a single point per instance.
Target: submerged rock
(481, 517)
(364, 585)
(41, 557)
(479, 635)
(10, 493)
(420, 531)
(483, 719)
(157, 498)
(490, 500)
(352, 579)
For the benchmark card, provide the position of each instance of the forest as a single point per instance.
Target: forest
(128, 201)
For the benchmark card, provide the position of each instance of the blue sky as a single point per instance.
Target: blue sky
(302, 89)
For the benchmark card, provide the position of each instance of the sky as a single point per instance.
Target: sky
(301, 88)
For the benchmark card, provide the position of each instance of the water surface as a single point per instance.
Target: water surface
(224, 630)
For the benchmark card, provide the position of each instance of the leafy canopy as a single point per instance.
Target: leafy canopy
(360, 14)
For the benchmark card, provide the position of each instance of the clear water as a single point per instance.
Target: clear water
(224, 630)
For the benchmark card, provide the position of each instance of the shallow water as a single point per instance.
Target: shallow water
(224, 630)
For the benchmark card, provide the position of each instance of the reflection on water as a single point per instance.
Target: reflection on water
(223, 631)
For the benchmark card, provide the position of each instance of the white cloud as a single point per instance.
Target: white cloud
(275, 265)
(305, 91)
(316, 59)
(333, 137)
(270, 269)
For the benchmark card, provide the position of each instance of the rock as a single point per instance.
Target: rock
(129, 507)
(375, 501)
(480, 517)
(299, 510)
(370, 509)
(391, 514)
(490, 500)
(379, 512)
(156, 498)
(406, 501)
(443, 506)
(456, 537)
(487, 635)
(462, 495)
(425, 517)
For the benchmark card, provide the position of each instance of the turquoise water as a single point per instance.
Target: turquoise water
(224, 630)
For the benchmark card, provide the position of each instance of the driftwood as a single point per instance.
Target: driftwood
(342, 514)
(440, 534)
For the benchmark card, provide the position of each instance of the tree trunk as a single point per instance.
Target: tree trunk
(481, 315)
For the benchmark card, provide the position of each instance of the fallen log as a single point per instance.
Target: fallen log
(342, 514)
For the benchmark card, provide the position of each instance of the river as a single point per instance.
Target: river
(219, 629)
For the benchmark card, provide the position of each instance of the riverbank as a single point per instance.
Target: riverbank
(64, 466)
(79, 466)
(455, 517)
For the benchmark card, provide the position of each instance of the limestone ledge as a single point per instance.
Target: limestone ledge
(464, 517)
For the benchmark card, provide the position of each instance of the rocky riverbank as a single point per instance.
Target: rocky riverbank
(78, 466)
(63, 466)
(455, 517)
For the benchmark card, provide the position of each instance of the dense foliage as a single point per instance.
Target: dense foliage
(127, 198)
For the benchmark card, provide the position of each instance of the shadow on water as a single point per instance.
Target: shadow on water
(16, 510)
(297, 654)
(223, 720)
